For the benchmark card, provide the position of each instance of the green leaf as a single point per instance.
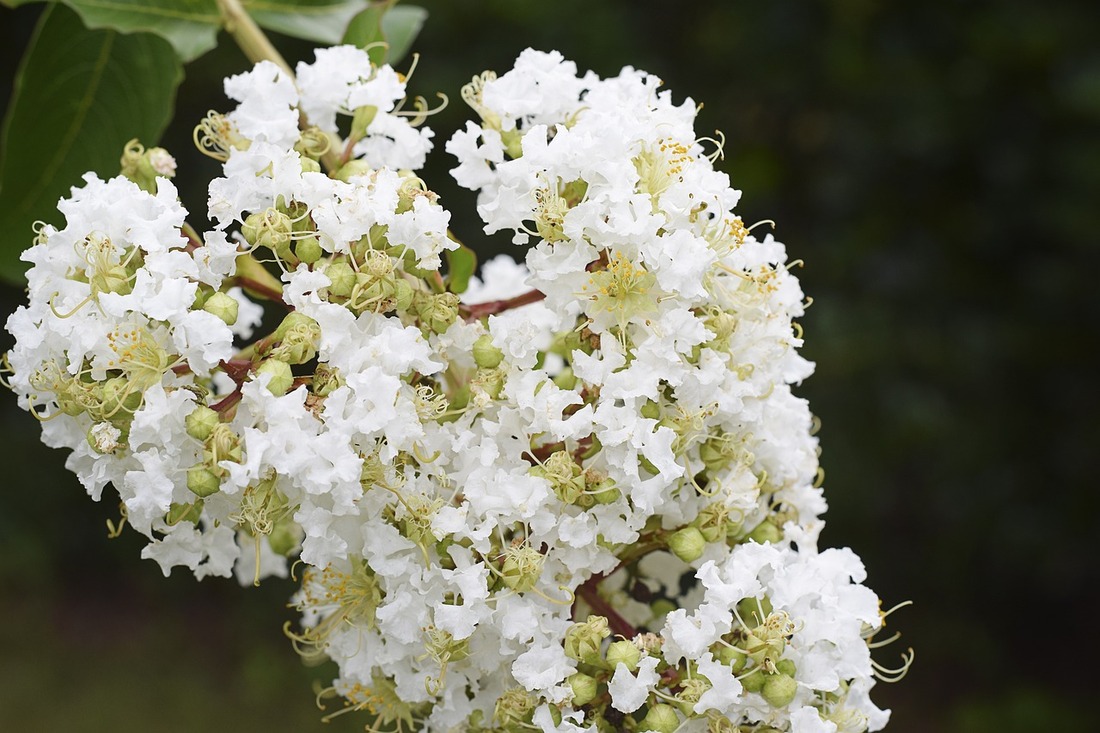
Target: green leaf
(78, 97)
(321, 21)
(366, 29)
(398, 26)
(401, 26)
(461, 264)
(191, 26)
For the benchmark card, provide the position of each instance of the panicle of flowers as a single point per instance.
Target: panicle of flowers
(578, 496)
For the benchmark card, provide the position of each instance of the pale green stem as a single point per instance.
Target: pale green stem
(252, 40)
(257, 47)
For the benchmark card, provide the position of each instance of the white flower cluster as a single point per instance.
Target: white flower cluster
(581, 498)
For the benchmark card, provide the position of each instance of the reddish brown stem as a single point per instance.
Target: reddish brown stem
(590, 595)
(262, 290)
(481, 310)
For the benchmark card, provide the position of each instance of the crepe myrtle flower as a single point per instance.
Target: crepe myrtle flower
(574, 493)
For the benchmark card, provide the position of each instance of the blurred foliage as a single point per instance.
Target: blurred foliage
(937, 168)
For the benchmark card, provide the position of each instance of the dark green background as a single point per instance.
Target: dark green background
(937, 166)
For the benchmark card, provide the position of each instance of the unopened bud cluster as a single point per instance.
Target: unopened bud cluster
(591, 509)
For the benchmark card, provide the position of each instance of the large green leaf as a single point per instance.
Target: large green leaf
(79, 96)
(322, 21)
(191, 26)
(400, 26)
(397, 26)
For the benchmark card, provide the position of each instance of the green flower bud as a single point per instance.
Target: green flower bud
(184, 512)
(785, 666)
(352, 168)
(766, 532)
(313, 143)
(522, 568)
(222, 445)
(754, 682)
(730, 657)
(779, 690)
(486, 355)
(753, 611)
(651, 410)
(308, 250)
(270, 228)
(119, 398)
(309, 165)
(298, 336)
(342, 279)
(402, 295)
(489, 381)
(603, 490)
(326, 380)
(437, 312)
(687, 543)
(584, 688)
(202, 481)
(623, 652)
(143, 166)
(516, 705)
(200, 422)
(285, 537)
(711, 521)
(661, 718)
(224, 306)
(691, 689)
(282, 379)
(361, 119)
(582, 640)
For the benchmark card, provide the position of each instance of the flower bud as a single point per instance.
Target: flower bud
(584, 688)
(522, 568)
(785, 666)
(326, 380)
(687, 543)
(402, 295)
(766, 532)
(691, 689)
(342, 279)
(202, 481)
(732, 658)
(281, 377)
(352, 168)
(661, 718)
(285, 537)
(313, 142)
(623, 652)
(486, 354)
(753, 682)
(222, 305)
(779, 690)
(651, 410)
(298, 336)
(361, 119)
(184, 513)
(582, 640)
(270, 228)
(200, 422)
(514, 707)
(308, 250)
